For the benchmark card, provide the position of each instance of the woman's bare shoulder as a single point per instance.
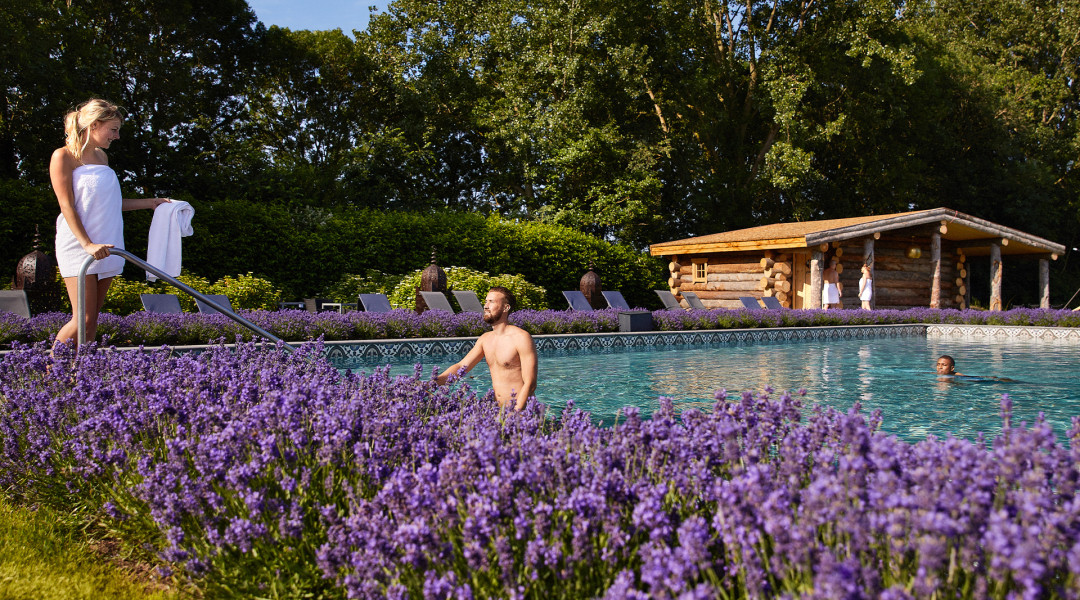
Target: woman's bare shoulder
(63, 159)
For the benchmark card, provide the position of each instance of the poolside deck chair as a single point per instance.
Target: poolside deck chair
(160, 303)
(693, 301)
(468, 301)
(771, 303)
(437, 301)
(375, 303)
(670, 303)
(577, 301)
(221, 299)
(15, 301)
(315, 305)
(615, 300)
(749, 302)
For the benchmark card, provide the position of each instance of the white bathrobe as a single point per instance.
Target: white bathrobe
(99, 205)
(172, 221)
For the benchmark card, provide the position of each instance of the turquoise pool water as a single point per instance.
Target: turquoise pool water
(895, 375)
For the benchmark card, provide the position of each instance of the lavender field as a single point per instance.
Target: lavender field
(253, 472)
(151, 329)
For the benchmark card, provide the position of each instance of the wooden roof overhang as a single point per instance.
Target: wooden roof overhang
(973, 234)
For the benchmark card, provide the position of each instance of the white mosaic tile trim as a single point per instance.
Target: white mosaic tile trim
(1006, 332)
(457, 346)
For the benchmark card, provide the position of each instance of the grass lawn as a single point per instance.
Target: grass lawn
(43, 556)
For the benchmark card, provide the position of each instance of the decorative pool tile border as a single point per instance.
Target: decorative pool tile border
(411, 348)
(1005, 332)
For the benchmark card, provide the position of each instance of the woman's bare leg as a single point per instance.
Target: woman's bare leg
(96, 289)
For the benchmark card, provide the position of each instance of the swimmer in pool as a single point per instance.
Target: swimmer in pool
(946, 365)
(509, 351)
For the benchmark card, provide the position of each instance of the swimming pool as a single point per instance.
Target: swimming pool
(895, 375)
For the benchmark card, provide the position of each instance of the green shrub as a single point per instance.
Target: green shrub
(123, 295)
(248, 291)
(243, 291)
(528, 296)
(349, 287)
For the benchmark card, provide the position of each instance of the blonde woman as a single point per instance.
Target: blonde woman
(866, 287)
(90, 205)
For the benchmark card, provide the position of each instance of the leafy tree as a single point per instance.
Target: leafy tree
(177, 76)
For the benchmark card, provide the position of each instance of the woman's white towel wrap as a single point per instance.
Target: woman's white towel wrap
(99, 205)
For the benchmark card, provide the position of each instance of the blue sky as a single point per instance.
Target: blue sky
(316, 14)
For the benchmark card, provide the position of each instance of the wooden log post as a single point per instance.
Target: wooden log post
(815, 278)
(967, 290)
(995, 276)
(868, 259)
(1044, 283)
(935, 262)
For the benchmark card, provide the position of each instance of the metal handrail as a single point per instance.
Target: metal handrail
(175, 283)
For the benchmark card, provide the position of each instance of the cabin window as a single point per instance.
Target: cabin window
(701, 267)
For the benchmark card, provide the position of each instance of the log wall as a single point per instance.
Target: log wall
(901, 282)
(730, 276)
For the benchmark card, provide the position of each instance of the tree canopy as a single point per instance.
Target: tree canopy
(637, 120)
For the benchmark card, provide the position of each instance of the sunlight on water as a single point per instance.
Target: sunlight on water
(895, 375)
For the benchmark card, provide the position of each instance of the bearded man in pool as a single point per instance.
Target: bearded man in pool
(509, 351)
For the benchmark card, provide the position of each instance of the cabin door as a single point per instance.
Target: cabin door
(800, 284)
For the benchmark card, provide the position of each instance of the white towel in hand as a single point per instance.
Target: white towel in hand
(172, 220)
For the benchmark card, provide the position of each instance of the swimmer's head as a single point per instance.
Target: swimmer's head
(946, 365)
(498, 304)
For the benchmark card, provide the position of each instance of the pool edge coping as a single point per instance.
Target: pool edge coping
(558, 341)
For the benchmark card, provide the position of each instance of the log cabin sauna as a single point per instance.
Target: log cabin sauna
(917, 258)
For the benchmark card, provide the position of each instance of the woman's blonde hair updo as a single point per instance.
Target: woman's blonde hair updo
(77, 123)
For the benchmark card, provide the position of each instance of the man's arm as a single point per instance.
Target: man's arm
(471, 360)
(527, 356)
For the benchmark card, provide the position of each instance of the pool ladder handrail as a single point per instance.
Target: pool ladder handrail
(172, 281)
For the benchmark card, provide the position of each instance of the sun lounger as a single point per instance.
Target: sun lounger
(615, 300)
(693, 301)
(577, 301)
(160, 303)
(221, 299)
(375, 303)
(670, 303)
(437, 301)
(749, 302)
(316, 305)
(468, 301)
(15, 301)
(771, 303)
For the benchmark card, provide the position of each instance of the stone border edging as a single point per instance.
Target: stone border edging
(1005, 332)
(365, 349)
(439, 347)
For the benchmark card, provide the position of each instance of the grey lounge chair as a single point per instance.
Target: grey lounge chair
(670, 303)
(437, 301)
(615, 300)
(221, 299)
(15, 301)
(577, 301)
(749, 302)
(693, 301)
(771, 303)
(315, 305)
(468, 301)
(375, 303)
(160, 303)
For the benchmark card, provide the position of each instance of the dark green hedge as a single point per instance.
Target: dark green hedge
(305, 251)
